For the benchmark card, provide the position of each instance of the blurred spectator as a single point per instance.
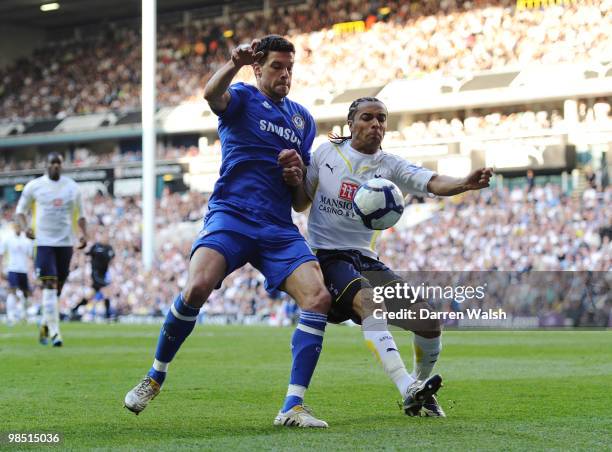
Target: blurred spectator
(591, 178)
(530, 180)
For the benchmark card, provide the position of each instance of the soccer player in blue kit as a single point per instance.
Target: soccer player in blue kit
(249, 218)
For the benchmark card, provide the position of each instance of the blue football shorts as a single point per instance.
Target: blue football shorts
(346, 272)
(53, 262)
(276, 251)
(19, 281)
(342, 271)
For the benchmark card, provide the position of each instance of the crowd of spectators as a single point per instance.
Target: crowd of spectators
(518, 230)
(525, 230)
(558, 241)
(499, 122)
(83, 157)
(399, 40)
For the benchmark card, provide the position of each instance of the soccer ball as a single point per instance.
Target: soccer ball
(379, 203)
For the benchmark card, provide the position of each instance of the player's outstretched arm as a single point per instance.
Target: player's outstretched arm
(215, 91)
(449, 186)
(294, 173)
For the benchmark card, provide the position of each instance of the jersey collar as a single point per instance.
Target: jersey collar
(361, 154)
(46, 176)
(279, 103)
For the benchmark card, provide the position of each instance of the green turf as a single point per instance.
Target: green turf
(503, 390)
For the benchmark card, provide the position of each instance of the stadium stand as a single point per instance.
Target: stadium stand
(102, 72)
(489, 81)
(86, 122)
(478, 54)
(42, 126)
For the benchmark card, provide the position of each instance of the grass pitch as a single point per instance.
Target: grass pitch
(503, 390)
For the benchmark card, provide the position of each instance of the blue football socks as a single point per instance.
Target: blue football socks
(179, 324)
(306, 346)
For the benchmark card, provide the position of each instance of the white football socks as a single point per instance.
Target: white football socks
(22, 301)
(11, 308)
(426, 351)
(50, 311)
(380, 341)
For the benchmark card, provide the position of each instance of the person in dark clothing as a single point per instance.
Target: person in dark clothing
(101, 254)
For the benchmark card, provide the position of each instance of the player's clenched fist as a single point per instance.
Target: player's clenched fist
(479, 179)
(246, 54)
(288, 158)
(293, 176)
(293, 167)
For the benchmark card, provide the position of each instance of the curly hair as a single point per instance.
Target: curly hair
(273, 43)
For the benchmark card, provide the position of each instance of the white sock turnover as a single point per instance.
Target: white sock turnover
(426, 352)
(50, 311)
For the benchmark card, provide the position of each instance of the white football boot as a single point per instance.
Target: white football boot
(139, 397)
(299, 416)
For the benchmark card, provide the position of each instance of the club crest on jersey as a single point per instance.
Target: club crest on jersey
(58, 202)
(298, 121)
(348, 190)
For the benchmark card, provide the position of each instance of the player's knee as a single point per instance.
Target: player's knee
(198, 290)
(429, 328)
(49, 284)
(320, 301)
(363, 304)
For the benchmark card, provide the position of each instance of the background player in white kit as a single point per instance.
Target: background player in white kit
(16, 250)
(55, 202)
(346, 248)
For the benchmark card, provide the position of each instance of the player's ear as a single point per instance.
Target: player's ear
(257, 70)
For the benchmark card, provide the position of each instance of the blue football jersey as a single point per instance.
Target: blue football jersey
(253, 130)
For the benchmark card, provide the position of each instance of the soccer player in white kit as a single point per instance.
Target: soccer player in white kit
(346, 248)
(17, 250)
(56, 206)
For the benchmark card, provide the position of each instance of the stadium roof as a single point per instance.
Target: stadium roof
(27, 13)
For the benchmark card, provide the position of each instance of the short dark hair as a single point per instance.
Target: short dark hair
(273, 43)
(55, 155)
(339, 139)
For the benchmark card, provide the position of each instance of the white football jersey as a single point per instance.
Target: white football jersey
(17, 250)
(334, 175)
(56, 206)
